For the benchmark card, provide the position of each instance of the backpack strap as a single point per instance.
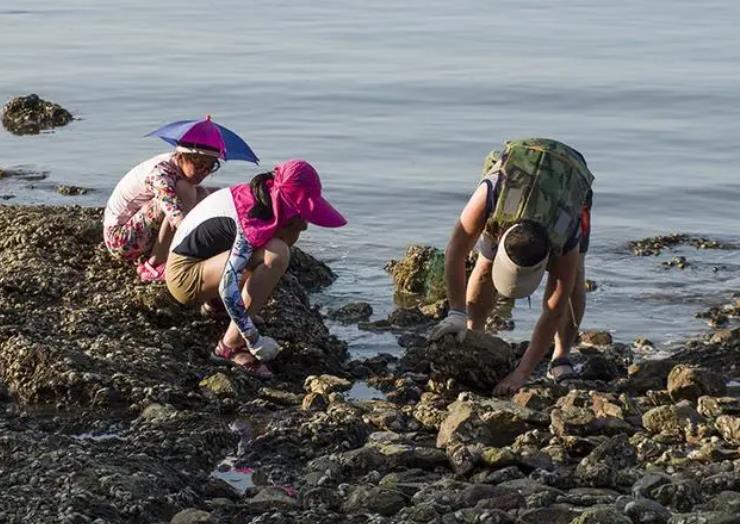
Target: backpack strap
(492, 193)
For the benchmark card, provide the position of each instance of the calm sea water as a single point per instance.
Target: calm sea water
(397, 103)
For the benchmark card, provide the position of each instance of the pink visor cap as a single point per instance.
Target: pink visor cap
(299, 186)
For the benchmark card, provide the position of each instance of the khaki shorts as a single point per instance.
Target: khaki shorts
(184, 278)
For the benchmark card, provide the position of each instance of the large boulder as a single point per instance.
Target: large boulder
(29, 115)
(478, 363)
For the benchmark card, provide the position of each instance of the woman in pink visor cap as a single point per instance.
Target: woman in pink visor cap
(235, 245)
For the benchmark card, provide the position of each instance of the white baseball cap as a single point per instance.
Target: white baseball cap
(512, 280)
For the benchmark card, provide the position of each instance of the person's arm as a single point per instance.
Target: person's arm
(555, 307)
(464, 236)
(230, 291)
(162, 185)
(467, 230)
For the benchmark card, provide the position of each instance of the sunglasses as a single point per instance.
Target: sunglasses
(206, 163)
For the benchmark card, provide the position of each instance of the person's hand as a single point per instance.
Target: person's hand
(456, 323)
(264, 348)
(511, 383)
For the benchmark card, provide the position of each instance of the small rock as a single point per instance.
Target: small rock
(71, 190)
(605, 515)
(646, 511)
(715, 406)
(326, 384)
(314, 402)
(192, 516)
(602, 466)
(218, 385)
(729, 427)
(384, 501)
(686, 382)
(351, 313)
(596, 338)
(670, 418)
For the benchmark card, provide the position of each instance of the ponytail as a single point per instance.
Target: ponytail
(262, 207)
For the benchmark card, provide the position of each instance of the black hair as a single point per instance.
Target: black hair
(262, 207)
(527, 244)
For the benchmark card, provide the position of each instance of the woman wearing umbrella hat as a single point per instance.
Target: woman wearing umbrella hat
(151, 200)
(236, 245)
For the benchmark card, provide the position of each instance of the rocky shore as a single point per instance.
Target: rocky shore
(110, 410)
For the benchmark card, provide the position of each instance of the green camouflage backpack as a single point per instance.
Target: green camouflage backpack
(541, 180)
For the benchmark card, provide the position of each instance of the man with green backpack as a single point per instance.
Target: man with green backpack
(530, 214)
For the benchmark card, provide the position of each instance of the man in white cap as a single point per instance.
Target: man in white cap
(530, 214)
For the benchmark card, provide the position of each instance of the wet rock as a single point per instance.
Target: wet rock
(539, 398)
(715, 406)
(576, 421)
(488, 422)
(430, 411)
(690, 383)
(646, 511)
(72, 190)
(606, 515)
(672, 419)
(654, 245)
(646, 375)
(680, 495)
(192, 516)
(725, 336)
(374, 499)
(555, 514)
(595, 338)
(420, 273)
(721, 482)
(312, 274)
(219, 385)
(271, 498)
(727, 501)
(647, 485)
(704, 517)
(603, 465)
(325, 384)
(479, 362)
(351, 313)
(29, 115)
(729, 427)
(314, 402)
(280, 397)
(407, 317)
(678, 262)
(599, 367)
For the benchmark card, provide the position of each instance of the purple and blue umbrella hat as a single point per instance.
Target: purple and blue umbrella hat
(208, 135)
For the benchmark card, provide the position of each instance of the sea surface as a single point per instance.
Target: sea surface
(396, 104)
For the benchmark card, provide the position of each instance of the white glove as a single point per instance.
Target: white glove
(455, 323)
(264, 348)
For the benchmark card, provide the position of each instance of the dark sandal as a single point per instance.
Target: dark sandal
(561, 362)
(224, 354)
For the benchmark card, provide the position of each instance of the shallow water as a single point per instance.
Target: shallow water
(397, 105)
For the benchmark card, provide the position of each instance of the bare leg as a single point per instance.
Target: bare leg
(568, 330)
(189, 197)
(480, 295)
